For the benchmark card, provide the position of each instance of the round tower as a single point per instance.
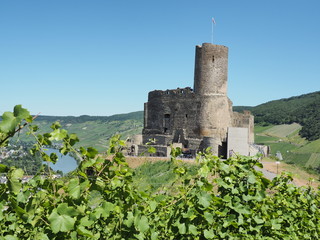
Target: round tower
(210, 85)
(211, 69)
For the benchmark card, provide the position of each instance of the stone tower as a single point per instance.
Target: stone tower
(210, 84)
(211, 70)
(200, 117)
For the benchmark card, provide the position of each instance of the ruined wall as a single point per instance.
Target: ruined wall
(172, 110)
(244, 120)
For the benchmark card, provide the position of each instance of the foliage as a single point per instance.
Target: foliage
(12, 122)
(223, 199)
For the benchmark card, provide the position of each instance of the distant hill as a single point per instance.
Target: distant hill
(94, 131)
(85, 118)
(304, 109)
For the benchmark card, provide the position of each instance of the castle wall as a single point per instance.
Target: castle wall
(244, 120)
(215, 116)
(199, 118)
(172, 110)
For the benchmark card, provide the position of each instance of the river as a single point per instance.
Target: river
(65, 163)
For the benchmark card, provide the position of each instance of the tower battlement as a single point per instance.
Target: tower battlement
(183, 92)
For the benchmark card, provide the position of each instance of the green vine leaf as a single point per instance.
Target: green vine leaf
(8, 123)
(14, 180)
(193, 229)
(142, 224)
(20, 112)
(41, 236)
(84, 232)
(204, 199)
(10, 237)
(58, 134)
(3, 168)
(64, 209)
(74, 188)
(60, 223)
(208, 234)
(10, 120)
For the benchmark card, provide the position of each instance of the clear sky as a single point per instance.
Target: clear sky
(102, 57)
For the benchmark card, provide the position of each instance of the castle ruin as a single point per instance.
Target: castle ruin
(198, 118)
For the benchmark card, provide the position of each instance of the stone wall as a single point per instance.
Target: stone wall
(197, 118)
(171, 110)
(211, 69)
(244, 120)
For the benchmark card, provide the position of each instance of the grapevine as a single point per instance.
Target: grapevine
(224, 200)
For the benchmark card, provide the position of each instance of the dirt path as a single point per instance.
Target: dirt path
(300, 177)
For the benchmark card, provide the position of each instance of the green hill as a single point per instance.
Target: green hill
(304, 109)
(290, 126)
(294, 149)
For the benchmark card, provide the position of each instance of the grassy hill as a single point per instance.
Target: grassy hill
(94, 131)
(290, 126)
(294, 149)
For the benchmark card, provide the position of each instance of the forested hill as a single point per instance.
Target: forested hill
(304, 109)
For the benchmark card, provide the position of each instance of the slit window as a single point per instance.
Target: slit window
(166, 123)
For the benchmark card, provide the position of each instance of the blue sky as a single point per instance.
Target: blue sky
(102, 57)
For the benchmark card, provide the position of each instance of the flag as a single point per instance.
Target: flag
(213, 21)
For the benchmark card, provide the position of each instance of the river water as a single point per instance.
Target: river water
(65, 163)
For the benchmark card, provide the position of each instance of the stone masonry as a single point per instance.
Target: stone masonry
(197, 118)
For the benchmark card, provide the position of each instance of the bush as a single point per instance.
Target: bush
(223, 199)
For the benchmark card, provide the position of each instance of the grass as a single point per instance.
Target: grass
(294, 149)
(261, 129)
(156, 175)
(153, 175)
(296, 158)
(265, 139)
(313, 147)
(283, 130)
(314, 160)
(283, 147)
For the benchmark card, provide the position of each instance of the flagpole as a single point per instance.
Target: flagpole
(212, 31)
(213, 22)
